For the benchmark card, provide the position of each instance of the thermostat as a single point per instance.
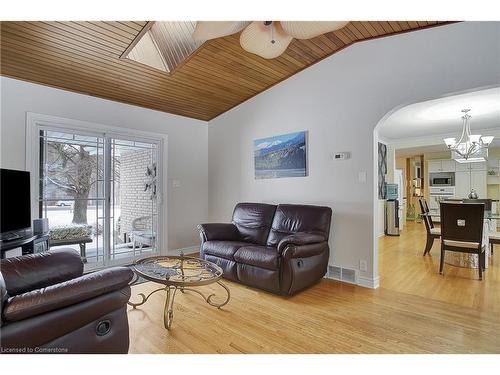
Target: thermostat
(341, 155)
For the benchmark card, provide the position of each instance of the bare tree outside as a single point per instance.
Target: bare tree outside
(75, 170)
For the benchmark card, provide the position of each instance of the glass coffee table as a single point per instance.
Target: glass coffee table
(179, 273)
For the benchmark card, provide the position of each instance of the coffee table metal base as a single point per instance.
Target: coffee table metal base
(168, 311)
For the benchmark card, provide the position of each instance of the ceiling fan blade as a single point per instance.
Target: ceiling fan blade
(258, 38)
(206, 30)
(310, 29)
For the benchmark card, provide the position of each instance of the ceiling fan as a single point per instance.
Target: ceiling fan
(268, 39)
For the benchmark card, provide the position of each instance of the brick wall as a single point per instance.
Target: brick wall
(135, 202)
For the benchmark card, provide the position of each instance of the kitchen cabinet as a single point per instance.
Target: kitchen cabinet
(478, 183)
(462, 184)
(481, 166)
(434, 166)
(462, 167)
(448, 165)
(467, 180)
(478, 166)
(441, 165)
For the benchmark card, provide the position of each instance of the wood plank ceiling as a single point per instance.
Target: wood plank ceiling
(84, 57)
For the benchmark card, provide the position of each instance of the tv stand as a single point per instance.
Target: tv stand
(29, 243)
(11, 237)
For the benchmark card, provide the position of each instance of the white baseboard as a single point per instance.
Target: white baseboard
(369, 282)
(184, 250)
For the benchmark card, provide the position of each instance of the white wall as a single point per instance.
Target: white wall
(340, 101)
(187, 144)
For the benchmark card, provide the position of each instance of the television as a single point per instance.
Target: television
(15, 201)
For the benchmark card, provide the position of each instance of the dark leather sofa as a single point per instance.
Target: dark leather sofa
(281, 249)
(49, 306)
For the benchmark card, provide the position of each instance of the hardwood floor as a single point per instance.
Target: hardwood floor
(402, 268)
(416, 310)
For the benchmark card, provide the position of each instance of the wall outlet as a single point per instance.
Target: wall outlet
(363, 265)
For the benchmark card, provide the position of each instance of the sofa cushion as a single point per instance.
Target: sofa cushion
(253, 221)
(222, 249)
(228, 266)
(293, 218)
(259, 256)
(259, 277)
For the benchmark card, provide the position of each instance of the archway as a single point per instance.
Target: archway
(415, 139)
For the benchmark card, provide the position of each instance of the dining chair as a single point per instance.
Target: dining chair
(432, 233)
(487, 202)
(494, 238)
(462, 231)
(425, 205)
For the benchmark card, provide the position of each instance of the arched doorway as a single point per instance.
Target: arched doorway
(411, 137)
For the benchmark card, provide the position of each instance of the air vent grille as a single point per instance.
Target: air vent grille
(342, 274)
(335, 272)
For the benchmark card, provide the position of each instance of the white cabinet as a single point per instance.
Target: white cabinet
(462, 184)
(478, 166)
(434, 166)
(441, 165)
(462, 167)
(467, 176)
(448, 165)
(467, 180)
(481, 166)
(478, 183)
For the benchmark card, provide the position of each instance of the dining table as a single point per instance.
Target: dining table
(471, 260)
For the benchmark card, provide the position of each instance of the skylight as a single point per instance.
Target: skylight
(166, 45)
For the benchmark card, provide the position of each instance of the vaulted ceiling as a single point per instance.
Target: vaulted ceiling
(85, 57)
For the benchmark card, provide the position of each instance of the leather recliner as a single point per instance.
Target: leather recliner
(49, 306)
(281, 249)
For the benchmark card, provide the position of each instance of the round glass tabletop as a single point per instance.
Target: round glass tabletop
(178, 270)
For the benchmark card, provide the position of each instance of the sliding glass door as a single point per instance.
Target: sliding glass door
(133, 210)
(99, 193)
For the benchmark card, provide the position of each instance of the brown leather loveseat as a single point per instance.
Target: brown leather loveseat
(282, 249)
(49, 306)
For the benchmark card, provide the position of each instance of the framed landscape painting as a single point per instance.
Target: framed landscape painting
(281, 156)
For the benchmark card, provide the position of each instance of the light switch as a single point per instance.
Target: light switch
(362, 177)
(176, 183)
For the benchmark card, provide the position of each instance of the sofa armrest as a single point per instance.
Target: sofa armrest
(34, 271)
(219, 231)
(67, 293)
(3, 297)
(299, 239)
(304, 251)
(73, 327)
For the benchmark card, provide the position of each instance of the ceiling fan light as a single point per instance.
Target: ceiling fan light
(310, 29)
(267, 41)
(206, 30)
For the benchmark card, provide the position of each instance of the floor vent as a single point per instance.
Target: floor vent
(342, 274)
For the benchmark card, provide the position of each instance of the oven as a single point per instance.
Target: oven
(437, 194)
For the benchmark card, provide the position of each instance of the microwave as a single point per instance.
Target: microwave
(442, 181)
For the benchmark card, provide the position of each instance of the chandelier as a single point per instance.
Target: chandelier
(470, 148)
